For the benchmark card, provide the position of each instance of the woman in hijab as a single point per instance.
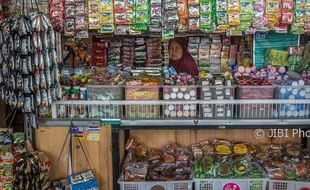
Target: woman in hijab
(180, 59)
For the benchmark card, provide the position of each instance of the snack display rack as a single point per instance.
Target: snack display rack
(266, 119)
(173, 185)
(213, 184)
(264, 109)
(96, 63)
(286, 185)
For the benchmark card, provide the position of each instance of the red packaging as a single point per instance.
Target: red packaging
(100, 52)
(56, 14)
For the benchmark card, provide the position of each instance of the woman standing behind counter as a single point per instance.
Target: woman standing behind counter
(180, 59)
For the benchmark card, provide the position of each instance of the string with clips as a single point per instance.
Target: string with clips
(69, 136)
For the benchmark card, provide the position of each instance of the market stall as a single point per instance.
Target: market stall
(156, 94)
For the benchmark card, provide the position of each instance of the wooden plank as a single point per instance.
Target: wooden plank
(98, 153)
(158, 139)
(155, 139)
(2, 115)
(47, 142)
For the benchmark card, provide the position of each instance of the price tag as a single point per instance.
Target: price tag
(93, 137)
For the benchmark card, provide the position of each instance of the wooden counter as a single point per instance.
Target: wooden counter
(51, 139)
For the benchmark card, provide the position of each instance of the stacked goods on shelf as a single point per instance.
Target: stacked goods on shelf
(142, 87)
(128, 51)
(295, 56)
(207, 15)
(233, 13)
(106, 21)
(94, 9)
(180, 87)
(246, 15)
(114, 52)
(76, 18)
(154, 54)
(292, 90)
(259, 19)
(141, 19)
(156, 16)
(287, 14)
(244, 57)
(167, 168)
(221, 15)
(216, 89)
(183, 13)
(123, 16)
(204, 53)
(193, 48)
(260, 88)
(225, 164)
(165, 53)
(215, 53)
(7, 161)
(21, 170)
(193, 16)
(273, 13)
(287, 165)
(85, 84)
(228, 54)
(140, 52)
(298, 25)
(170, 18)
(99, 52)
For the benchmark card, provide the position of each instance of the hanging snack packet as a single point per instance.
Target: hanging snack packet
(234, 18)
(93, 21)
(193, 11)
(222, 20)
(193, 24)
(206, 15)
(233, 5)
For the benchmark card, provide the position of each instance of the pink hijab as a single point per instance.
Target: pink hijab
(187, 63)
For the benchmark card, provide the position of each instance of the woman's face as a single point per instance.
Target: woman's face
(175, 51)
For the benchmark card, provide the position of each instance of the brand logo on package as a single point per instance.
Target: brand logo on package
(231, 186)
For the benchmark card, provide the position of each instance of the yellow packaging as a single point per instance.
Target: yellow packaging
(106, 18)
(106, 5)
(234, 18)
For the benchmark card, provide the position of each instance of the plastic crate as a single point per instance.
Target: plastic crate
(176, 93)
(254, 92)
(255, 110)
(288, 185)
(291, 93)
(229, 184)
(104, 93)
(163, 185)
(142, 111)
(217, 93)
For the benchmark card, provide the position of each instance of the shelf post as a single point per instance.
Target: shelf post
(115, 127)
